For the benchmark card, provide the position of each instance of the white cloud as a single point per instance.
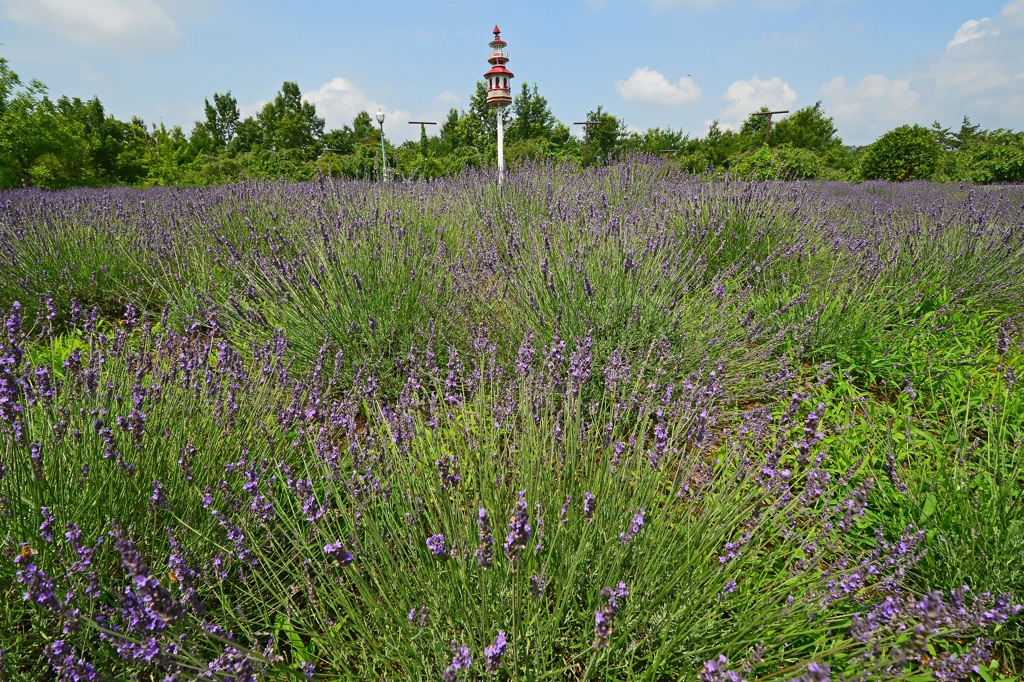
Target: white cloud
(876, 103)
(972, 29)
(112, 24)
(339, 100)
(977, 75)
(651, 86)
(449, 98)
(746, 97)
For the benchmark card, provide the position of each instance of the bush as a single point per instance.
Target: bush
(906, 153)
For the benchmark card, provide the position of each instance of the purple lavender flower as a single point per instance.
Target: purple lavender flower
(519, 531)
(46, 527)
(635, 525)
(816, 672)
(734, 549)
(338, 552)
(67, 664)
(588, 507)
(421, 617)
(565, 510)
(158, 500)
(436, 545)
(613, 598)
(461, 660)
(448, 472)
(816, 486)
(152, 601)
(714, 671)
(494, 652)
(39, 588)
(35, 453)
(538, 584)
(485, 551)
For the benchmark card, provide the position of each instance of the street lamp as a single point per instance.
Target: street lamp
(383, 154)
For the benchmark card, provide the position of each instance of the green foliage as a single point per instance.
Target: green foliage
(808, 128)
(287, 122)
(606, 136)
(906, 153)
(71, 142)
(531, 117)
(779, 163)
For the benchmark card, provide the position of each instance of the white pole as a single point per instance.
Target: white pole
(501, 145)
(383, 154)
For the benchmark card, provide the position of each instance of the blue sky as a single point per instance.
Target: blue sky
(874, 64)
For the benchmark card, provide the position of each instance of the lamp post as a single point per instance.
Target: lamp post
(499, 94)
(383, 154)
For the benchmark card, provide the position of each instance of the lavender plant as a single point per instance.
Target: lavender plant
(653, 393)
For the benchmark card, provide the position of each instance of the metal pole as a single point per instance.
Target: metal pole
(383, 154)
(501, 145)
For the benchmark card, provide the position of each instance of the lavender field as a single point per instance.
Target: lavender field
(626, 423)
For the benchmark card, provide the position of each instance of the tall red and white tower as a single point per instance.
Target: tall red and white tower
(499, 93)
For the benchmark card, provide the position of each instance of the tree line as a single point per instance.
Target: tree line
(67, 142)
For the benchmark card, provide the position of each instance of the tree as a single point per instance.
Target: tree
(605, 135)
(779, 163)
(906, 153)
(656, 141)
(994, 156)
(532, 117)
(481, 111)
(221, 119)
(807, 128)
(719, 146)
(39, 144)
(289, 123)
(968, 133)
(754, 127)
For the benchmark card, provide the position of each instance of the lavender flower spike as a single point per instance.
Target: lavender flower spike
(337, 552)
(603, 616)
(435, 543)
(461, 660)
(485, 552)
(495, 652)
(634, 528)
(519, 531)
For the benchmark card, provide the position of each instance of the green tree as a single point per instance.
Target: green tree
(222, 119)
(994, 156)
(720, 146)
(906, 153)
(752, 129)
(807, 128)
(289, 123)
(248, 137)
(657, 141)
(532, 117)
(606, 135)
(779, 163)
(39, 144)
